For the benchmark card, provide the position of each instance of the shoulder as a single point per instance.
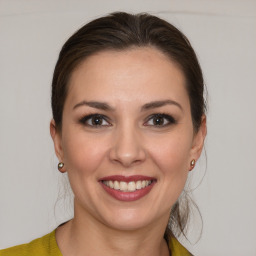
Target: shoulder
(176, 248)
(44, 246)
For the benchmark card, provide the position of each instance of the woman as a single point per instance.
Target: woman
(128, 125)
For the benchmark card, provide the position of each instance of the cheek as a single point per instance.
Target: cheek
(171, 158)
(82, 155)
(172, 154)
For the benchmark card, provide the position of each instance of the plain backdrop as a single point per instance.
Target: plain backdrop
(223, 34)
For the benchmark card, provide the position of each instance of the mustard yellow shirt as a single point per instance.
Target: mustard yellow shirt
(47, 246)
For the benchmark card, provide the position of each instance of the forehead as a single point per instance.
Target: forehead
(136, 73)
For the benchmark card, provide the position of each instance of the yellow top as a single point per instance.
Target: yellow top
(47, 246)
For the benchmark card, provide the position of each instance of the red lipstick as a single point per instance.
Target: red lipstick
(128, 196)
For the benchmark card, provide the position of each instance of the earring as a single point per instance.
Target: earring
(60, 166)
(192, 164)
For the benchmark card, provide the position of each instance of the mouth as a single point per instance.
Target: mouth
(127, 188)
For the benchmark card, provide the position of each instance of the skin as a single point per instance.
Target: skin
(127, 143)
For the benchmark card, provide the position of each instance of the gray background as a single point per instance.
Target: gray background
(223, 34)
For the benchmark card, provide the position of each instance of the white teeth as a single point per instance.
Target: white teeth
(111, 184)
(123, 186)
(131, 186)
(127, 186)
(116, 185)
(138, 184)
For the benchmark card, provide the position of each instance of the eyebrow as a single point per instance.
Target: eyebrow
(160, 103)
(94, 104)
(147, 106)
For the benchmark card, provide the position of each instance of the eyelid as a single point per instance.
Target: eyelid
(85, 119)
(170, 118)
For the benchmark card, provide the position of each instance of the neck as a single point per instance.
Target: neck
(87, 234)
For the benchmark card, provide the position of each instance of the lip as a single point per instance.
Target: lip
(127, 196)
(127, 178)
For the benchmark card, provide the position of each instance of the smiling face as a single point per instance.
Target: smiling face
(127, 137)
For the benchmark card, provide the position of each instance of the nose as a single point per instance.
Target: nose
(127, 147)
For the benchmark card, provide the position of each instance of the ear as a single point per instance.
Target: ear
(56, 137)
(198, 140)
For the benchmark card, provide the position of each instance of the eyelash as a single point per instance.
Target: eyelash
(84, 120)
(168, 120)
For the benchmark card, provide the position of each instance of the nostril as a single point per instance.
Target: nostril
(127, 159)
(127, 146)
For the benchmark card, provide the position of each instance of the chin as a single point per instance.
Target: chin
(129, 219)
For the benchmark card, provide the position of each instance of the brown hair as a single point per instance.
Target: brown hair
(120, 31)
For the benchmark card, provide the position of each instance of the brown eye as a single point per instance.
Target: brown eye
(160, 120)
(95, 120)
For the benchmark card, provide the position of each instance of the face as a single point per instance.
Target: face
(127, 137)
